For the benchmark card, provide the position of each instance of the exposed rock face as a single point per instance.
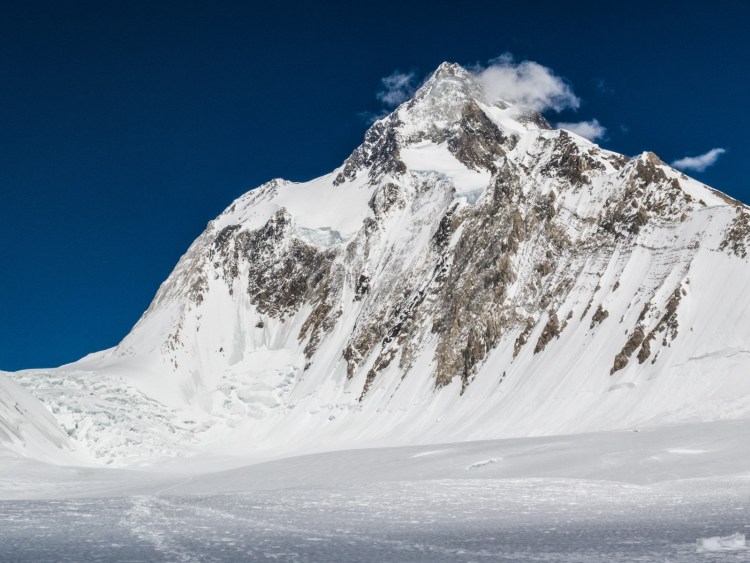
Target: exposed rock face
(379, 153)
(737, 235)
(599, 316)
(464, 242)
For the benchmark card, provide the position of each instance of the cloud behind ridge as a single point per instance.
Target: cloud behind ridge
(397, 87)
(526, 83)
(701, 162)
(591, 129)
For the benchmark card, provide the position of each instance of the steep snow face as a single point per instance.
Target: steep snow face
(468, 272)
(28, 429)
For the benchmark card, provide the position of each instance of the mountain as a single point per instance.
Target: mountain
(468, 272)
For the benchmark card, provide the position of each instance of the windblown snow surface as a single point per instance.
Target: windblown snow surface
(480, 338)
(655, 494)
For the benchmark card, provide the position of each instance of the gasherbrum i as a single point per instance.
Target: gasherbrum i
(468, 272)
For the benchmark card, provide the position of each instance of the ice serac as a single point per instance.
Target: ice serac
(468, 272)
(27, 429)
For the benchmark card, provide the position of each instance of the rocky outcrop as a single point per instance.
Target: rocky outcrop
(737, 235)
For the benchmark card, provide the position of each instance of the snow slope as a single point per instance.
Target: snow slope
(659, 494)
(468, 273)
(27, 429)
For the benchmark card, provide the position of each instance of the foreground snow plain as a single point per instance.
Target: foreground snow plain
(649, 494)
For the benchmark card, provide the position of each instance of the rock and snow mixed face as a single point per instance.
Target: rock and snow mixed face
(468, 272)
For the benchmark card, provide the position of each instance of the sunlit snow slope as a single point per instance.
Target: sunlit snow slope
(27, 429)
(467, 273)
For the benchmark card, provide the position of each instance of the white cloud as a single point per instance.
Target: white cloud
(603, 87)
(397, 88)
(591, 130)
(699, 163)
(526, 83)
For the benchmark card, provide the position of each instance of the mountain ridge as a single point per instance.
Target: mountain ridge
(468, 272)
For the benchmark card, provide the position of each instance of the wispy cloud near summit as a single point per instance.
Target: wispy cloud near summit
(699, 163)
(526, 83)
(397, 88)
(591, 129)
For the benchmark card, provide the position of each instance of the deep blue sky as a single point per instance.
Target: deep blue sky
(125, 127)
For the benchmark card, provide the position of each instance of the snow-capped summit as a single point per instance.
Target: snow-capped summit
(468, 272)
(451, 109)
(442, 98)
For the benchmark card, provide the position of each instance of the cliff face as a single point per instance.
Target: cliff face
(468, 272)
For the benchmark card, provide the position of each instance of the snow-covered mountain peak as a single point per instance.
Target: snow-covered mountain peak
(448, 111)
(450, 71)
(468, 272)
(448, 89)
(451, 92)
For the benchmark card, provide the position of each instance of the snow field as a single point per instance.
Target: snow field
(616, 496)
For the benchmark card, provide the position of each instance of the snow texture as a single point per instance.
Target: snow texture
(615, 496)
(735, 542)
